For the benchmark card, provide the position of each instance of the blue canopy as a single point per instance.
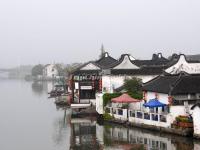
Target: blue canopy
(154, 103)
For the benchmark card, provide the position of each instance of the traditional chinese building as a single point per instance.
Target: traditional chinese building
(128, 66)
(87, 79)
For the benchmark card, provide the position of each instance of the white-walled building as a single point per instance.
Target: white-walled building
(127, 67)
(179, 92)
(50, 71)
(196, 119)
(181, 64)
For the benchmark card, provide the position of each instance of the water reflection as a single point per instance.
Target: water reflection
(39, 87)
(62, 127)
(86, 134)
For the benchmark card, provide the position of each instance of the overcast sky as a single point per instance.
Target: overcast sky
(47, 31)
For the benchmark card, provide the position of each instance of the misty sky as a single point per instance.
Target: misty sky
(47, 31)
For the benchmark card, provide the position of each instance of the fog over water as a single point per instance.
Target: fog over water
(46, 31)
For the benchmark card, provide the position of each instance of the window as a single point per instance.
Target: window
(120, 112)
(132, 113)
(147, 116)
(154, 117)
(139, 115)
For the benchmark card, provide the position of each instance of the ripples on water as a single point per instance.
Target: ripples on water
(30, 121)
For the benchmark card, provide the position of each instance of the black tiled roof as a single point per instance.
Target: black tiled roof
(174, 84)
(140, 71)
(106, 61)
(157, 60)
(187, 84)
(151, 62)
(195, 105)
(193, 57)
(79, 72)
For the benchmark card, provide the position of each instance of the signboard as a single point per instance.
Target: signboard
(86, 87)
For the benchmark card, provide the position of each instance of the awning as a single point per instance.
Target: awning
(154, 103)
(124, 98)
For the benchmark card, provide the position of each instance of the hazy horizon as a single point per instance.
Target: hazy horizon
(64, 31)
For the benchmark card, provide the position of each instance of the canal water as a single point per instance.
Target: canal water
(31, 121)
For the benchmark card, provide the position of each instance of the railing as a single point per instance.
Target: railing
(158, 117)
(148, 116)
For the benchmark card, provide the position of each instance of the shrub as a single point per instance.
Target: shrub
(183, 119)
(107, 116)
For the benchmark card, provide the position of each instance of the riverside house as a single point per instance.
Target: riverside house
(166, 98)
(127, 67)
(50, 71)
(86, 81)
(106, 74)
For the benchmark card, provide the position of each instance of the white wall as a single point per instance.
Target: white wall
(99, 103)
(126, 64)
(183, 65)
(176, 111)
(114, 81)
(50, 71)
(120, 117)
(196, 120)
(166, 124)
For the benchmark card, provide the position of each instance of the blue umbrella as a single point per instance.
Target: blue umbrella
(154, 103)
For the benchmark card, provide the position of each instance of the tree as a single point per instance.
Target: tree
(37, 70)
(134, 87)
(71, 67)
(60, 68)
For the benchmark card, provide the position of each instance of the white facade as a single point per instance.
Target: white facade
(111, 82)
(174, 111)
(90, 66)
(126, 64)
(99, 103)
(196, 121)
(183, 65)
(50, 71)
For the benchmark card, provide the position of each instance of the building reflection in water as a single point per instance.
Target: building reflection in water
(86, 134)
(40, 87)
(62, 127)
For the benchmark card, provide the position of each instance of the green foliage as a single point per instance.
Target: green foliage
(183, 119)
(108, 96)
(37, 70)
(137, 95)
(107, 116)
(133, 85)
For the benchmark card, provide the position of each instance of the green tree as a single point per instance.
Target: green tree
(37, 70)
(134, 87)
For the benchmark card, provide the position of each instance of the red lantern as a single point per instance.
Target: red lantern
(170, 100)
